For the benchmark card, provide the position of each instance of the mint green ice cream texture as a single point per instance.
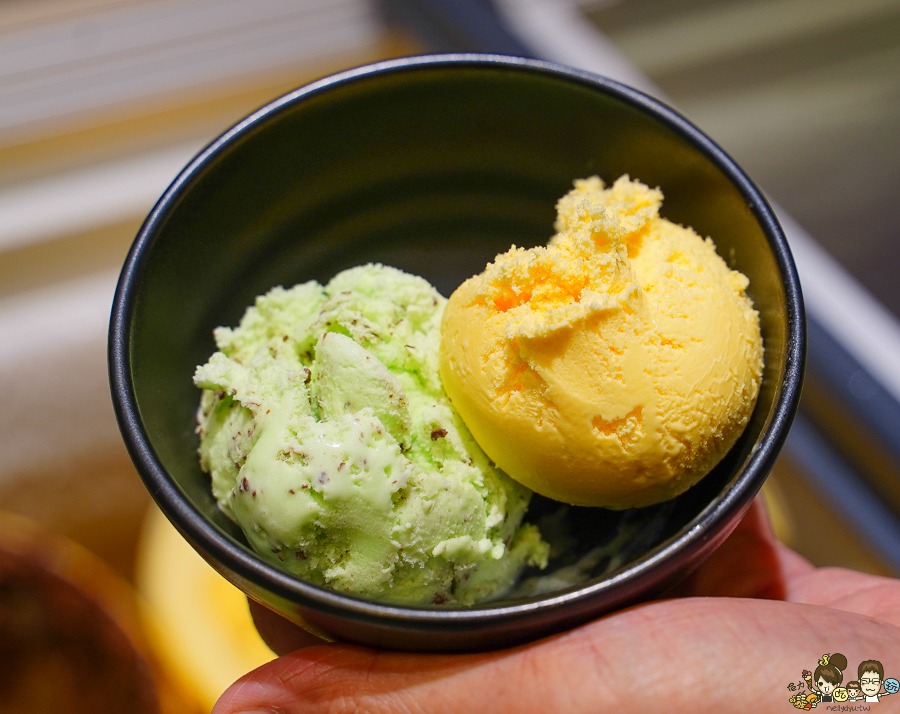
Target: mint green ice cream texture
(331, 443)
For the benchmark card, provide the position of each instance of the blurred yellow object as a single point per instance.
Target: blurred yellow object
(779, 512)
(199, 623)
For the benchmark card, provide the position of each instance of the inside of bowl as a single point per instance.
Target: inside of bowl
(432, 170)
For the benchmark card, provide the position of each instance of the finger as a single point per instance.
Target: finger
(694, 654)
(850, 591)
(750, 563)
(279, 634)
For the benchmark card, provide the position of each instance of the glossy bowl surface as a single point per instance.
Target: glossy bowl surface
(434, 165)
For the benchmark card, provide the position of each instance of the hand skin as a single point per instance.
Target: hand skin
(754, 615)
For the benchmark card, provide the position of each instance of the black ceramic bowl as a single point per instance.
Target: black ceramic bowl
(434, 165)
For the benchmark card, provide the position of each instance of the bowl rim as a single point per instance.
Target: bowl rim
(702, 534)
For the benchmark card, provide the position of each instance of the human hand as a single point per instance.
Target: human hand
(752, 615)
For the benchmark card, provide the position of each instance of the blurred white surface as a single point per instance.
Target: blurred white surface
(53, 376)
(557, 31)
(866, 328)
(79, 59)
(89, 198)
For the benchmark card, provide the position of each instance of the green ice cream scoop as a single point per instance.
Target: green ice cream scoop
(330, 441)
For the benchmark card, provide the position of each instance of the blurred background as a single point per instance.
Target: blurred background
(103, 101)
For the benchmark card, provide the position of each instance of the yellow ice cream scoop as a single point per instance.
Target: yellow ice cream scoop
(613, 368)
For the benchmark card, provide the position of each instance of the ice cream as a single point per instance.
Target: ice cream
(613, 368)
(330, 441)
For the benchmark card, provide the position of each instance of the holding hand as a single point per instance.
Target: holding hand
(752, 596)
